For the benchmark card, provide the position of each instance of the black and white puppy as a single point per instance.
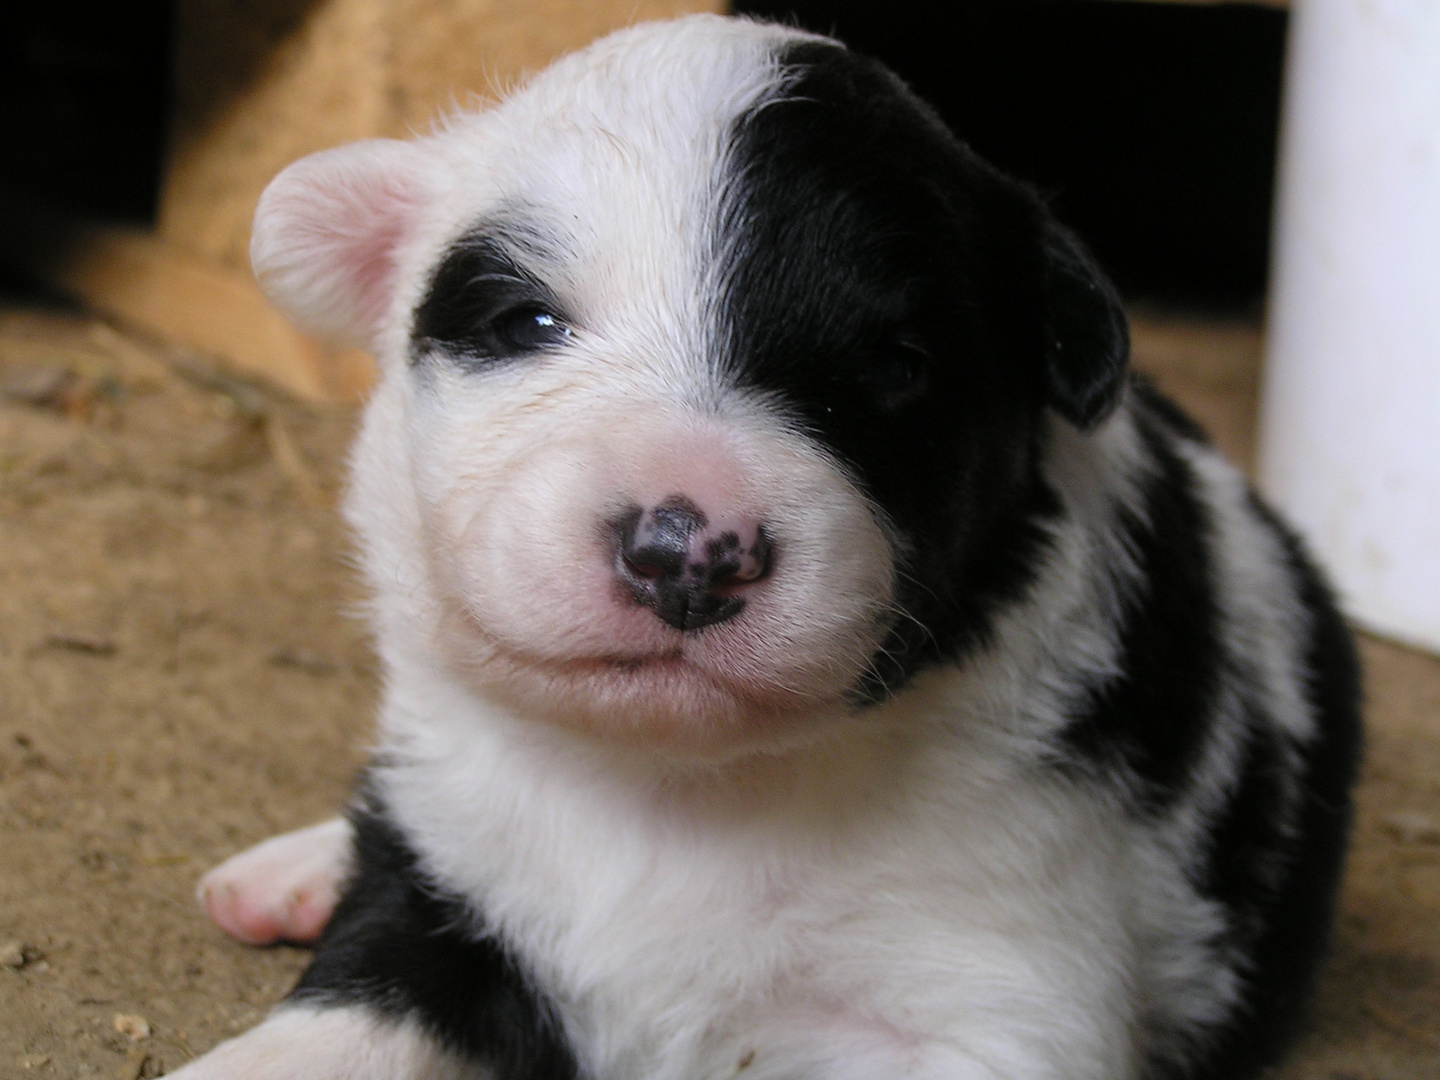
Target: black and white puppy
(809, 654)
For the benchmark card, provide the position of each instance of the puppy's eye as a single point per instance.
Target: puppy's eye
(528, 329)
(899, 374)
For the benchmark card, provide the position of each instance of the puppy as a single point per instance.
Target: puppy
(809, 654)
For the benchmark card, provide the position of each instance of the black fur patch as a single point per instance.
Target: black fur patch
(1154, 716)
(1291, 917)
(891, 291)
(402, 948)
(483, 307)
(1272, 860)
(1087, 337)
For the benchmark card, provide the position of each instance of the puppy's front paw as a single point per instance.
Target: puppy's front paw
(283, 889)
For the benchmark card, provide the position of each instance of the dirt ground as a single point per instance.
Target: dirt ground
(180, 676)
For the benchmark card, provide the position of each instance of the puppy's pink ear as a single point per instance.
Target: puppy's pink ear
(327, 231)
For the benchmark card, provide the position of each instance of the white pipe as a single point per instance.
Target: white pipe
(1350, 407)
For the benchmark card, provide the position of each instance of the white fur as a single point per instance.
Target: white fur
(298, 1041)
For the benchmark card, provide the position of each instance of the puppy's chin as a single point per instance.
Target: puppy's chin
(663, 703)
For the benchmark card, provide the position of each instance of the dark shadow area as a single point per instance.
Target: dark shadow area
(84, 91)
(1152, 127)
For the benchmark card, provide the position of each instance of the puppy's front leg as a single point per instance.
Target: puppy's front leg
(305, 1042)
(283, 889)
(407, 980)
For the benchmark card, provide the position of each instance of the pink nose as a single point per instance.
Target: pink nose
(691, 570)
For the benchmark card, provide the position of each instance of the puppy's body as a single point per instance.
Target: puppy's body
(984, 725)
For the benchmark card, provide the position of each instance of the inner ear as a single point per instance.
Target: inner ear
(1087, 338)
(327, 231)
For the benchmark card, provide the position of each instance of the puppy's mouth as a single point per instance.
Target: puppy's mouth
(672, 659)
(669, 664)
(664, 671)
(670, 667)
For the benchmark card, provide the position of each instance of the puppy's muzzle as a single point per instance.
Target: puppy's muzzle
(691, 570)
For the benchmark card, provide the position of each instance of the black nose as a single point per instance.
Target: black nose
(690, 571)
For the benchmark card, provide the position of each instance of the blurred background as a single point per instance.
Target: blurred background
(1152, 126)
(178, 673)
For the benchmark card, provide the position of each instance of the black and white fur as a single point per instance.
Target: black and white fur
(1021, 745)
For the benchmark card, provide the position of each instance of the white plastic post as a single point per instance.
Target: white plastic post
(1350, 407)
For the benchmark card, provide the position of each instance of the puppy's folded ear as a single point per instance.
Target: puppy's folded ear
(1087, 339)
(327, 231)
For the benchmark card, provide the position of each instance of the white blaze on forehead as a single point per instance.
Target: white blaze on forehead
(614, 158)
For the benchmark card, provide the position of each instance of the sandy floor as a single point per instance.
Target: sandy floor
(179, 678)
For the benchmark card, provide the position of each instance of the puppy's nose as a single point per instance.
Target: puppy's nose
(690, 569)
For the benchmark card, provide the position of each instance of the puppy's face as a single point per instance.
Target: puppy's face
(715, 373)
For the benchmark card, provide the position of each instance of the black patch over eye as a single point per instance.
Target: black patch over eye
(482, 307)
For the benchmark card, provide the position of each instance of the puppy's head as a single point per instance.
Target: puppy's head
(715, 376)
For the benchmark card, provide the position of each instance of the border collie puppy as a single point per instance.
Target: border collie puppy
(809, 653)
